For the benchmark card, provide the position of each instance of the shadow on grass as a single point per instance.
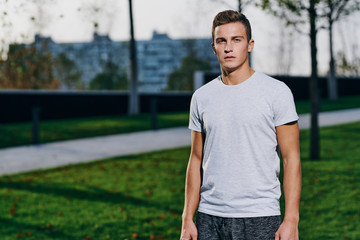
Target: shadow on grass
(20, 230)
(94, 195)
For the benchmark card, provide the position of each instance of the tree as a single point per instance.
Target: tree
(284, 51)
(28, 68)
(112, 78)
(241, 4)
(134, 96)
(67, 71)
(332, 11)
(41, 17)
(101, 14)
(183, 78)
(347, 67)
(299, 13)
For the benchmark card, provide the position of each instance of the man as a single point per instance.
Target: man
(237, 121)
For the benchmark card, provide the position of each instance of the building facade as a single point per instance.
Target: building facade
(157, 58)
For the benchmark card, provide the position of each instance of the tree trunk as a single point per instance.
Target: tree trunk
(134, 97)
(240, 9)
(240, 6)
(332, 81)
(314, 91)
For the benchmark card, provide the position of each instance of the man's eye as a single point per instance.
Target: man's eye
(237, 39)
(221, 40)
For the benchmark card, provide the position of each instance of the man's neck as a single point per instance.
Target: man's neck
(236, 77)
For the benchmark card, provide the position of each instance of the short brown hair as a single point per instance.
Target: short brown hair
(230, 16)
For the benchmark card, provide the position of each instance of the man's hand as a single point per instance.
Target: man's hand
(188, 231)
(288, 230)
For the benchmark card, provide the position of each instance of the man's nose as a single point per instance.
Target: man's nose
(228, 47)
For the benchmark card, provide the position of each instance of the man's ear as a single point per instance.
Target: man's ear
(251, 45)
(213, 47)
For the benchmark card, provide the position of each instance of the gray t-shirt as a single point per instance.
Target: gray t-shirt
(240, 162)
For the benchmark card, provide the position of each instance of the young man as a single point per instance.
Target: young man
(237, 121)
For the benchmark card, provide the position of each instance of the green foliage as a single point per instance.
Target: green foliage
(334, 10)
(28, 67)
(183, 78)
(294, 13)
(68, 72)
(299, 12)
(347, 67)
(112, 78)
(141, 196)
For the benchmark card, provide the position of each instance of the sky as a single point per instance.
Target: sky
(277, 49)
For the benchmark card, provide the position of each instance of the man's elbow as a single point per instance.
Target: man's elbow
(292, 160)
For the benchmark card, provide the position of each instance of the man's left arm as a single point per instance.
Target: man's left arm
(288, 140)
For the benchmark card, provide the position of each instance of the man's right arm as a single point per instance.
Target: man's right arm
(192, 186)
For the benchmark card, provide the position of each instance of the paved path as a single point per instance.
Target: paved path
(19, 159)
(331, 118)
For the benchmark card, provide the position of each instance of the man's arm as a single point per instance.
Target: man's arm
(192, 187)
(288, 139)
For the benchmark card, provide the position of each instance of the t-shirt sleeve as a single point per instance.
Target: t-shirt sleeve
(195, 121)
(284, 107)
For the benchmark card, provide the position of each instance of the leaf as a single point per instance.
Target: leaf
(162, 216)
(86, 238)
(149, 192)
(135, 235)
(12, 211)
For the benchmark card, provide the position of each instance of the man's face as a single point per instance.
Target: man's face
(231, 46)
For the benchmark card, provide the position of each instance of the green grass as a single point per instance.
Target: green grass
(303, 106)
(141, 196)
(55, 130)
(112, 199)
(21, 134)
(330, 203)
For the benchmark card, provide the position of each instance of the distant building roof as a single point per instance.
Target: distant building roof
(97, 37)
(160, 36)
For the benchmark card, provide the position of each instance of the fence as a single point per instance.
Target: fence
(19, 105)
(299, 85)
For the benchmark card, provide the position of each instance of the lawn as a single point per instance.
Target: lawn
(303, 106)
(55, 130)
(141, 196)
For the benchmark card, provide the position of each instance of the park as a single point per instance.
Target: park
(105, 156)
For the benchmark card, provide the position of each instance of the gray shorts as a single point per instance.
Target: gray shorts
(218, 228)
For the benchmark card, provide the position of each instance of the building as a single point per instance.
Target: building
(157, 57)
